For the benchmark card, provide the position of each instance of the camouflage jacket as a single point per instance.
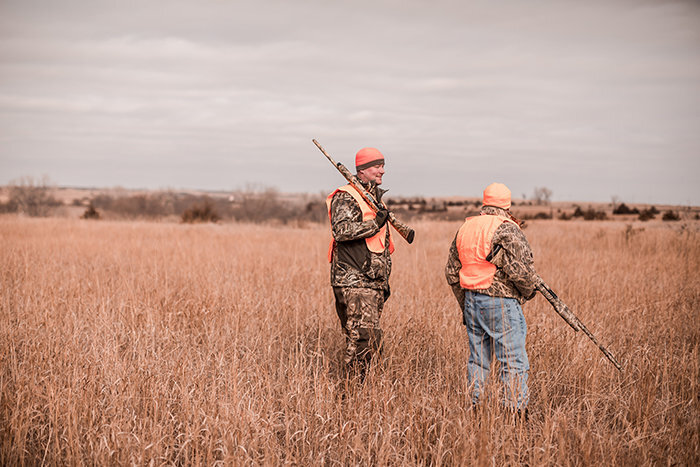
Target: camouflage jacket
(352, 264)
(515, 274)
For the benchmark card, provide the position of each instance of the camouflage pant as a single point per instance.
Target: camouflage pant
(359, 310)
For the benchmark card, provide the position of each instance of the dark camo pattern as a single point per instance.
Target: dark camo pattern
(347, 225)
(515, 276)
(359, 310)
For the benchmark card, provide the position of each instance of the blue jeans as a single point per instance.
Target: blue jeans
(496, 327)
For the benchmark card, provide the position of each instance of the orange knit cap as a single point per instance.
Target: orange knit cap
(367, 157)
(498, 195)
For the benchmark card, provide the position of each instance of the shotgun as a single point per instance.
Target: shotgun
(405, 231)
(571, 319)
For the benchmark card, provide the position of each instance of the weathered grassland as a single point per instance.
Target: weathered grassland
(132, 343)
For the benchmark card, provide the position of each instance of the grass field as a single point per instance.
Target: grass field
(160, 343)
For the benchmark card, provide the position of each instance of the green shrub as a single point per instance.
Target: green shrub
(647, 214)
(590, 214)
(624, 209)
(670, 216)
(90, 213)
(201, 213)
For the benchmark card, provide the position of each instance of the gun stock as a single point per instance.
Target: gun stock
(404, 230)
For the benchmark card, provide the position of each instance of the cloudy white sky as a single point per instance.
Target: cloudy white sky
(592, 99)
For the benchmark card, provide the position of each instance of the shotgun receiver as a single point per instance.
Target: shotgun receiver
(571, 319)
(403, 230)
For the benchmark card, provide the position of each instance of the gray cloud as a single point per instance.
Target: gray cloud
(590, 99)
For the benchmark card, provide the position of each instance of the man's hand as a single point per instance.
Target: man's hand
(381, 216)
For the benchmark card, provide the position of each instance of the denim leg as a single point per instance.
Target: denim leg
(497, 326)
(480, 348)
(510, 351)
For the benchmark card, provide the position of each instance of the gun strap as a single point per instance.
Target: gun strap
(494, 252)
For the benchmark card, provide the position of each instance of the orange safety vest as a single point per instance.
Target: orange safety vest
(474, 245)
(375, 243)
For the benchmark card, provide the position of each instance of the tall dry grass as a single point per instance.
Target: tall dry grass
(140, 343)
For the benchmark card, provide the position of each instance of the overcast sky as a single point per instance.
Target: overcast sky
(592, 99)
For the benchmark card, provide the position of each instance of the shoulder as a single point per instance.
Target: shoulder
(344, 205)
(343, 197)
(509, 232)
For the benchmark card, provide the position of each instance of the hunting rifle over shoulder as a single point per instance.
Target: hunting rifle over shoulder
(403, 230)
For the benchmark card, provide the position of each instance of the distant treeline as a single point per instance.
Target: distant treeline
(36, 198)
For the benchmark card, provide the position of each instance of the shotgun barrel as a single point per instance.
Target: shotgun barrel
(571, 319)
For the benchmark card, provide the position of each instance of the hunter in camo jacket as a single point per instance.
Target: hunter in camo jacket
(490, 269)
(360, 276)
(515, 275)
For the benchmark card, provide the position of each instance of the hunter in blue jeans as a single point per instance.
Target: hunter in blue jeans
(490, 269)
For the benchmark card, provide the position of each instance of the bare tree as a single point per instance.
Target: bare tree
(542, 195)
(259, 204)
(31, 196)
(614, 201)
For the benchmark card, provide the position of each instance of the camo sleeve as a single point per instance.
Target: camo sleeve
(346, 219)
(516, 259)
(454, 265)
(452, 268)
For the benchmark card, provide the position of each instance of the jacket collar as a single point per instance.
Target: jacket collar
(373, 189)
(495, 211)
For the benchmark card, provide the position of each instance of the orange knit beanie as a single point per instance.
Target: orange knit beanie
(498, 195)
(367, 157)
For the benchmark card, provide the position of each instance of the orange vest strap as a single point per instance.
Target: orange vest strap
(375, 243)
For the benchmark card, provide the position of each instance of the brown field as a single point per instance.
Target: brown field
(161, 343)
